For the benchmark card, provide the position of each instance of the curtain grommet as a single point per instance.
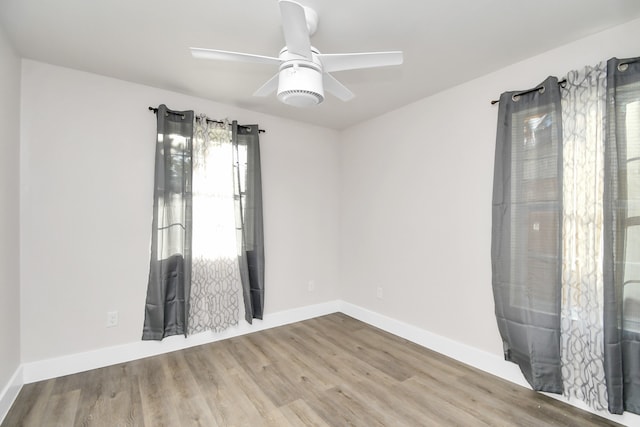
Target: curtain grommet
(623, 66)
(515, 97)
(541, 90)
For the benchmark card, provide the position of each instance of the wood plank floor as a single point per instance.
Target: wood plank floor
(328, 371)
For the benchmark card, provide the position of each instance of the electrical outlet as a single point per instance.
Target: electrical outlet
(312, 285)
(112, 319)
(379, 292)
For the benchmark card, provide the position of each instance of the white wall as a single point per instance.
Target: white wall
(416, 198)
(9, 212)
(87, 179)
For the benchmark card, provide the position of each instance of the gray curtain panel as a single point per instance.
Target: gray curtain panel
(248, 198)
(526, 252)
(167, 304)
(622, 236)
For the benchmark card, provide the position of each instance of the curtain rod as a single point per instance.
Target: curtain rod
(155, 111)
(524, 92)
(622, 66)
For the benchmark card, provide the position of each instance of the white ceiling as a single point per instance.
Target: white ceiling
(445, 43)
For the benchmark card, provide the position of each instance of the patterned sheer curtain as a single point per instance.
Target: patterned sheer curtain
(583, 115)
(215, 276)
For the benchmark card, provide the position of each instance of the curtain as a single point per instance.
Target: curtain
(526, 228)
(215, 276)
(167, 303)
(622, 236)
(248, 202)
(571, 181)
(207, 232)
(583, 113)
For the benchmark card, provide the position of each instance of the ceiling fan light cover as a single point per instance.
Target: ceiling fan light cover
(300, 86)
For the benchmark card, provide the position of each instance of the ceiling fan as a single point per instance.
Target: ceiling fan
(303, 75)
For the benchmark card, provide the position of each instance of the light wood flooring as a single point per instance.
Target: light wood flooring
(328, 371)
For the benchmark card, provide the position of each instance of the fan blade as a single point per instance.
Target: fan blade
(270, 86)
(353, 61)
(333, 86)
(294, 27)
(224, 55)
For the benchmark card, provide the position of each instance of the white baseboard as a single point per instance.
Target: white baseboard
(10, 392)
(69, 364)
(79, 362)
(471, 356)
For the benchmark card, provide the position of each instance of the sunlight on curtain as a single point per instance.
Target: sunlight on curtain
(631, 295)
(250, 230)
(171, 231)
(583, 114)
(167, 302)
(215, 288)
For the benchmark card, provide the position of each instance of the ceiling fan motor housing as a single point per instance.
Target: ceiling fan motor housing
(300, 84)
